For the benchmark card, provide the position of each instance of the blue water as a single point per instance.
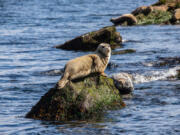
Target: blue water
(30, 28)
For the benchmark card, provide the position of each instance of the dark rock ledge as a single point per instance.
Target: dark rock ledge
(90, 41)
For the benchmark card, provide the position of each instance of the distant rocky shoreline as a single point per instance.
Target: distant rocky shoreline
(162, 12)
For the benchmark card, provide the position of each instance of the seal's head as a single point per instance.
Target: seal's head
(104, 49)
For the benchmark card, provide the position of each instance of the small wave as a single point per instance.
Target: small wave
(155, 75)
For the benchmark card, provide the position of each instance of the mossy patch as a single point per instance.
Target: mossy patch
(155, 17)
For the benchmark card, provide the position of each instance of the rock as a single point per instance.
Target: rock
(142, 10)
(90, 41)
(82, 99)
(111, 65)
(123, 51)
(176, 15)
(169, 3)
(126, 19)
(160, 8)
(123, 82)
(167, 61)
(159, 13)
(155, 17)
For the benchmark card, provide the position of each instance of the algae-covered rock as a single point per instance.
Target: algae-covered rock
(91, 40)
(82, 99)
(126, 19)
(162, 12)
(155, 17)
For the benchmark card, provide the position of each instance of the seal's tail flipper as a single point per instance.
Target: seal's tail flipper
(62, 82)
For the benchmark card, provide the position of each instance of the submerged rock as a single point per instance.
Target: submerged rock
(123, 82)
(82, 99)
(91, 40)
(126, 19)
(123, 51)
(167, 61)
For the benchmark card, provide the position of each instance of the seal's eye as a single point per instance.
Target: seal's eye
(102, 46)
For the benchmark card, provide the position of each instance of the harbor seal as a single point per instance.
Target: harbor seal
(87, 64)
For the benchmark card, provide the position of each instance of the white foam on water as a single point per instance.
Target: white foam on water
(155, 75)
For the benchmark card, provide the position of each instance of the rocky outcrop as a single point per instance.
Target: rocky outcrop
(176, 16)
(126, 19)
(82, 99)
(91, 40)
(163, 8)
(162, 12)
(155, 17)
(124, 82)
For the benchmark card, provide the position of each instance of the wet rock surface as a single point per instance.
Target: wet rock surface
(82, 99)
(167, 61)
(90, 41)
(142, 10)
(123, 82)
(176, 16)
(123, 51)
(126, 19)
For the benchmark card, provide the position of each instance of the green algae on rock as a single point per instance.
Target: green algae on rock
(155, 17)
(82, 99)
(162, 12)
(90, 41)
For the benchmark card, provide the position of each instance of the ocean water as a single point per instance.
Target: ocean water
(30, 66)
